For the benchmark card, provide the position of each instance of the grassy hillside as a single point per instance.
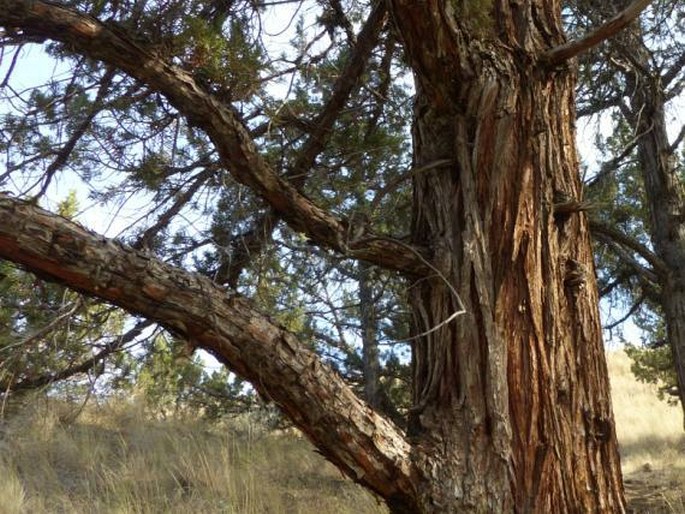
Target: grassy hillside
(115, 460)
(652, 442)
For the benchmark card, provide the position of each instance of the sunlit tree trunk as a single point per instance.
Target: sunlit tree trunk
(512, 408)
(666, 200)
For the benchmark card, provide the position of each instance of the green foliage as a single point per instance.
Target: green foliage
(46, 328)
(152, 170)
(69, 206)
(654, 365)
(227, 63)
(171, 383)
(133, 153)
(617, 90)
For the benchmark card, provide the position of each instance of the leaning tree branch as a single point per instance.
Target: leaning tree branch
(673, 148)
(615, 236)
(608, 167)
(629, 260)
(366, 446)
(111, 44)
(633, 309)
(564, 52)
(245, 246)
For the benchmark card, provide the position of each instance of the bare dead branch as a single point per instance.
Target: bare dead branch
(562, 53)
(618, 237)
(620, 243)
(633, 309)
(608, 167)
(181, 200)
(82, 367)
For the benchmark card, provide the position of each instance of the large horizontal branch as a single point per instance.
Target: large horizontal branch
(112, 45)
(569, 50)
(365, 445)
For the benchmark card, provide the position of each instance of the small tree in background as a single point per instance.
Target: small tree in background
(635, 80)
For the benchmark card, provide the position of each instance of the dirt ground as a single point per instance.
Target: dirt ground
(655, 492)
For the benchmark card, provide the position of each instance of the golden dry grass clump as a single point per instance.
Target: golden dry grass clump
(652, 442)
(115, 459)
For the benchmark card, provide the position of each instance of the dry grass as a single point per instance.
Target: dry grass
(115, 460)
(652, 442)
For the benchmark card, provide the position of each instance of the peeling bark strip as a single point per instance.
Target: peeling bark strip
(369, 448)
(512, 409)
(109, 43)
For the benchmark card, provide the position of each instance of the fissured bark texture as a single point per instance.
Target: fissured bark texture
(512, 409)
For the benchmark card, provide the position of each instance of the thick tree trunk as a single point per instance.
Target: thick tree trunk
(511, 402)
(674, 312)
(512, 408)
(666, 201)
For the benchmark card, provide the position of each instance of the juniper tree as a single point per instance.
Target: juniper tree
(510, 405)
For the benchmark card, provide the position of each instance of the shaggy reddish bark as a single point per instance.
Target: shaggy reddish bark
(511, 399)
(512, 406)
